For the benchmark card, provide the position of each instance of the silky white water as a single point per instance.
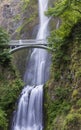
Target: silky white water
(29, 114)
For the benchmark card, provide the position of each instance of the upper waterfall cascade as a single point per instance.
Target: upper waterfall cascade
(29, 113)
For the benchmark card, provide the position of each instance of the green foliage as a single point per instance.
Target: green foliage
(9, 93)
(57, 75)
(60, 7)
(3, 120)
(76, 31)
(75, 93)
(62, 93)
(69, 13)
(10, 87)
(58, 120)
(79, 103)
(10, 83)
(25, 4)
(72, 122)
(63, 5)
(60, 105)
(5, 58)
(66, 70)
(4, 38)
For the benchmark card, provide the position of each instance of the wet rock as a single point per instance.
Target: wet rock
(7, 11)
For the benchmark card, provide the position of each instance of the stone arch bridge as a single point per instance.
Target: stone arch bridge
(16, 45)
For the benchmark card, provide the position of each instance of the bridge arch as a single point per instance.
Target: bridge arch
(30, 46)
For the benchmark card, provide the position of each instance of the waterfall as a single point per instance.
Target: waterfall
(29, 113)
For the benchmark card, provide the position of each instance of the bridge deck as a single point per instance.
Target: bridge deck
(16, 45)
(28, 42)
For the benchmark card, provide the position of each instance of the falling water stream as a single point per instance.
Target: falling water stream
(29, 114)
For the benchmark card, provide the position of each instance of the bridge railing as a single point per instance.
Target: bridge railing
(28, 42)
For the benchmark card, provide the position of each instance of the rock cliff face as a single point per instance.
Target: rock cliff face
(18, 17)
(9, 13)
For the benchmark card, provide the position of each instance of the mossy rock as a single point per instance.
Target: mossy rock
(72, 122)
(58, 123)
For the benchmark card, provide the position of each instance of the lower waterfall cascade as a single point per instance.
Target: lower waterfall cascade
(29, 113)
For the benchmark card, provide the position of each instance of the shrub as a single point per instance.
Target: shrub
(4, 53)
(3, 120)
(72, 122)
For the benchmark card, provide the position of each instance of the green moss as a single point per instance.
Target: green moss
(58, 120)
(17, 17)
(10, 88)
(27, 21)
(78, 73)
(60, 105)
(10, 83)
(75, 93)
(57, 75)
(63, 103)
(25, 4)
(3, 120)
(78, 103)
(72, 122)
